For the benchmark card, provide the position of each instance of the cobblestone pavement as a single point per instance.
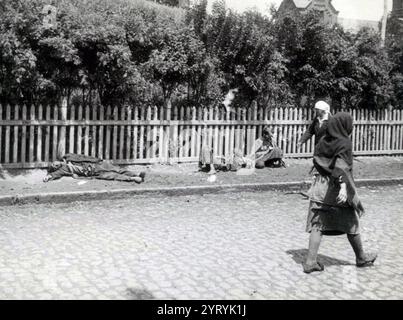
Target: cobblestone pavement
(216, 246)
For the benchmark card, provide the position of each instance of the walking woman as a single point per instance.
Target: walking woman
(319, 124)
(334, 207)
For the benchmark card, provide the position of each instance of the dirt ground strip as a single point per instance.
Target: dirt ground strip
(22, 182)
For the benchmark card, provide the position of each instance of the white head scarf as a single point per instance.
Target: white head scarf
(322, 105)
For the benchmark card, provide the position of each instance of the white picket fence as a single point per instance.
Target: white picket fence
(31, 136)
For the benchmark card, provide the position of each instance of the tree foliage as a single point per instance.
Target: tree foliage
(135, 51)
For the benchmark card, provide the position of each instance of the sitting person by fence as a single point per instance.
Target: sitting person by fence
(75, 165)
(266, 154)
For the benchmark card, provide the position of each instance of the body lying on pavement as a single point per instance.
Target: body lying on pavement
(266, 154)
(209, 163)
(75, 165)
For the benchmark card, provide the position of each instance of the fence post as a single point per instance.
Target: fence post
(39, 140)
(115, 140)
(193, 142)
(94, 132)
(7, 136)
(15, 142)
(23, 134)
(107, 148)
(198, 112)
(251, 129)
(161, 134)
(47, 134)
(79, 117)
(389, 129)
(167, 136)
(55, 133)
(31, 134)
(129, 134)
(148, 137)
(87, 131)
(122, 133)
(173, 140)
(61, 149)
(1, 129)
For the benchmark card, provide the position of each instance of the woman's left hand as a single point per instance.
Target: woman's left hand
(342, 197)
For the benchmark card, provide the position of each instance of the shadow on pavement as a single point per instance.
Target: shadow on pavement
(139, 294)
(299, 257)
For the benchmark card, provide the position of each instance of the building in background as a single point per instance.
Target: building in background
(395, 21)
(174, 3)
(329, 13)
(397, 9)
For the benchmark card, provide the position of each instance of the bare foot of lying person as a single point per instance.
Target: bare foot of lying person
(136, 179)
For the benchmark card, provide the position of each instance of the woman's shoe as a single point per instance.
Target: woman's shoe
(368, 261)
(309, 268)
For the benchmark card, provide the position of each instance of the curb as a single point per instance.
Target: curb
(66, 197)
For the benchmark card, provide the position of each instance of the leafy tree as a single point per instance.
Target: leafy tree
(180, 58)
(141, 52)
(394, 46)
(244, 44)
(372, 71)
(106, 66)
(20, 80)
(326, 62)
(197, 17)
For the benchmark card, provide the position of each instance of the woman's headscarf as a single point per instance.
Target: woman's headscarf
(337, 143)
(266, 130)
(322, 105)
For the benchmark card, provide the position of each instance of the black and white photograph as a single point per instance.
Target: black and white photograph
(211, 151)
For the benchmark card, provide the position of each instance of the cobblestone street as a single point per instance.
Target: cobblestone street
(216, 246)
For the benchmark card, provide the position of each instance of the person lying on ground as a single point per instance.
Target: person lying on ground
(266, 154)
(209, 163)
(76, 166)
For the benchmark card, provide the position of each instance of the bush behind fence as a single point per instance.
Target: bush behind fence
(31, 136)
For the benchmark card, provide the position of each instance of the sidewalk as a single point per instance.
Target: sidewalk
(26, 186)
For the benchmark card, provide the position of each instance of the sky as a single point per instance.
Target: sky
(352, 9)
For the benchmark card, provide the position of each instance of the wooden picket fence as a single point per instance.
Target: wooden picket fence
(32, 136)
